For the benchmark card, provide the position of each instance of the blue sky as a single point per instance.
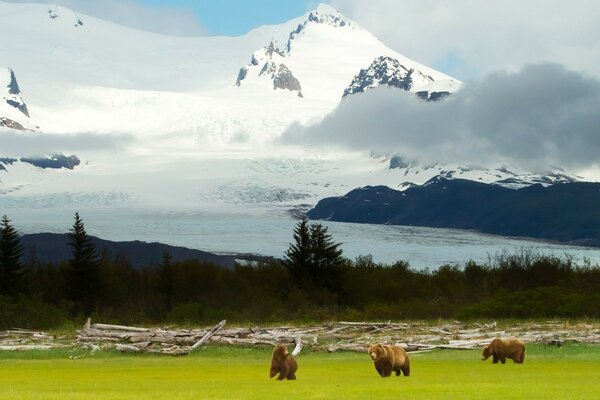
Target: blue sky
(236, 17)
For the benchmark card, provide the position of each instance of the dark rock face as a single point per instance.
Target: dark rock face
(55, 161)
(6, 161)
(241, 76)
(384, 71)
(284, 79)
(14, 99)
(13, 86)
(396, 162)
(568, 212)
(432, 96)
(9, 123)
(269, 57)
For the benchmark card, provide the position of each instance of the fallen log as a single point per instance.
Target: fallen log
(119, 328)
(208, 335)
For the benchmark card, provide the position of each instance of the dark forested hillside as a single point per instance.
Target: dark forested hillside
(567, 212)
(54, 247)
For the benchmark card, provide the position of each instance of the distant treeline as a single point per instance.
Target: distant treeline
(319, 287)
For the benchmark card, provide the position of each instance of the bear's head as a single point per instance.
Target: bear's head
(486, 353)
(376, 351)
(280, 352)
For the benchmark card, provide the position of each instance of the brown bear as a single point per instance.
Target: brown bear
(388, 359)
(283, 363)
(501, 349)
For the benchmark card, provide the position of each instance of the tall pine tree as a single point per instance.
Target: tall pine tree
(84, 280)
(314, 256)
(167, 280)
(12, 272)
(298, 255)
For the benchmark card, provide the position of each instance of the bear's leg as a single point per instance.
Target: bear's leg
(406, 367)
(495, 359)
(397, 371)
(274, 370)
(283, 372)
(291, 376)
(503, 360)
(379, 370)
(522, 358)
(387, 371)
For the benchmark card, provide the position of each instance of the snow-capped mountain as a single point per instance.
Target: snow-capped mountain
(325, 52)
(198, 118)
(13, 110)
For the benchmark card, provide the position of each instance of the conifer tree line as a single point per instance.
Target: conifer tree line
(312, 282)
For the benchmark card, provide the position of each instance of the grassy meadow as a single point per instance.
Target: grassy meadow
(570, 372)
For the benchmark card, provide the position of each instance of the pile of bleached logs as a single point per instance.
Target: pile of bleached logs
(348, 336)
(183, 341)
(23, 339)
(457, 336)
(134, 339)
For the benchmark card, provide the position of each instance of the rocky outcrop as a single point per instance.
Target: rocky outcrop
(65, 15)
(13, 95)
(14, 113)
(432, 96)
(387, 71)
(324, 15)
(54, 161)
(268, 61)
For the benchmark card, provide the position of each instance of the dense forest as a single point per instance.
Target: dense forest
(314, 282)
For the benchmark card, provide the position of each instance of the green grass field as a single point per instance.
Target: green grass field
(570, 372)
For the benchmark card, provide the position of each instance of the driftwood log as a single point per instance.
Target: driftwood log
(340, 336)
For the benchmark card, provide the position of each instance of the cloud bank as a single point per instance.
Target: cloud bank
(168, 20)
(543, 115)
(19, 144)
(470, 38)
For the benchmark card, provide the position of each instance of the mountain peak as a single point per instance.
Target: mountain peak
(327, 9)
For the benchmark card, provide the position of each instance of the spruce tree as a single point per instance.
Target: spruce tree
(12, 272)
(325, 252)
(167, 281)
(314, 256)
(298, 256)
(84, 277)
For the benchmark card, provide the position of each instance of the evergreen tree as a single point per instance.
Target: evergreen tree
(298, 256)
(167, 281)
(84, 277)
(325, 252)
(313, 257)
(12, 272)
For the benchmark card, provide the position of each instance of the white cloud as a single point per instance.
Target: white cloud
(541, 116)
(468, 38)
(167, 20)
(18, 144)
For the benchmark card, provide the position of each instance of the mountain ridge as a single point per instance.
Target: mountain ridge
(568, 212)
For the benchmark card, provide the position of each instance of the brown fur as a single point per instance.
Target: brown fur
(501, 349)
(388, 359)
(283, 363)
